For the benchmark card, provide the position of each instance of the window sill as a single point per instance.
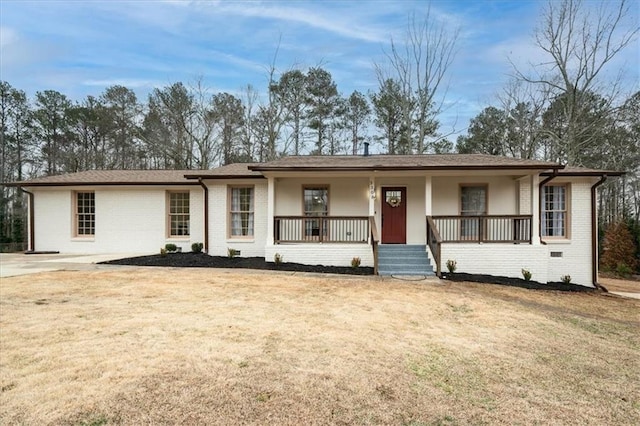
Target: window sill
(181, 239)
(241, 240)
(83, 239)
(556, 241)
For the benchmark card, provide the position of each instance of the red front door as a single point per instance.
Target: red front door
(394, 215)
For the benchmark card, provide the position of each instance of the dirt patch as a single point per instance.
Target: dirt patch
(201, 260)
(168, 346)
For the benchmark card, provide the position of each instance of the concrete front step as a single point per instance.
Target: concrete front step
(399, 259)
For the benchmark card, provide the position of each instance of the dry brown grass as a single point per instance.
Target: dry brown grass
(151, 346)
(618, 284)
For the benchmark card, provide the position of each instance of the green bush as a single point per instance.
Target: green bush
(566, 279)
(452, 265)
(278, 259)
(526, 274)
(171, 247)
(624, 270)
(163, 252)
(231, 253)
(355, 262)
(197, 247)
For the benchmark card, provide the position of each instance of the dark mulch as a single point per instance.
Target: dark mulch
(516, 282)
(201, 260)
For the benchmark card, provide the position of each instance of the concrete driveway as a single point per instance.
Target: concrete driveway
(12, 264)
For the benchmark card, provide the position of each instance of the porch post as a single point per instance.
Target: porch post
(372, 200)
(427, 196)
(271, 202)
(535, 210)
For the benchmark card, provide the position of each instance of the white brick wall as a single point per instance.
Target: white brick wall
(128, 220)
(498, 259)
(322, 254)
(576, 251)
(219, 241)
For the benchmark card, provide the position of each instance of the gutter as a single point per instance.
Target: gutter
(594, 234)
(206, 215)
(31, 246)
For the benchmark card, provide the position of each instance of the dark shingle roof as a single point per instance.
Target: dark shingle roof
(139, 177)
(402, 162)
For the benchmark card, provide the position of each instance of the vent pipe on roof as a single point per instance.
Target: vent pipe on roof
(366, 149)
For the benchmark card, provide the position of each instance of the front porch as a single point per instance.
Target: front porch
(349, 216)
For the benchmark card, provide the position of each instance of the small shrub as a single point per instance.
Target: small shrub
(197, 247)
(624, 270)
(163, 252)
(278, 259)
(566, 279)
(355, 262)
(231, 253)
(171, 247)
(452, 265)
(526, 274)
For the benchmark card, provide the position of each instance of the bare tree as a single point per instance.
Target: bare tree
(419, 65)
(579, 42)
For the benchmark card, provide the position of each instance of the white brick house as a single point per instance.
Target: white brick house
(492, 215)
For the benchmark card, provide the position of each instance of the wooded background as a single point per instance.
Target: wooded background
(570, 109)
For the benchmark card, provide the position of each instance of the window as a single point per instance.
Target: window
(242, 211)
(473, 202)
(316, 203)
(85, 216)
(178, 214)
(554, 211)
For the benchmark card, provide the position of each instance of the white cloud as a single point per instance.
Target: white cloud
(341, 25)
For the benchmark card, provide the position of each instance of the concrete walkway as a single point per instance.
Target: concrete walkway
(13, 264)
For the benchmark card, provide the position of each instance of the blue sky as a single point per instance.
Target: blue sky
(82, 47)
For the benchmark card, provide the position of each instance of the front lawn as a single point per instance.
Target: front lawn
(206, 346)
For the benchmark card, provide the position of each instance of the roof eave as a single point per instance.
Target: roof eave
(203, 176)
(404, 168)
(33, 184)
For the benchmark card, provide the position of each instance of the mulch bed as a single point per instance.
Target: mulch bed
(516, 282)
(201, 260)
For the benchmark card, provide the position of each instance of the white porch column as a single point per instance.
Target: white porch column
(372, 196)
(428, 209)
(535, 210)
(271, 208)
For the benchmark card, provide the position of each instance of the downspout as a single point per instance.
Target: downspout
(594, 234)
(540, 200)
(31, 245)
(206, 215)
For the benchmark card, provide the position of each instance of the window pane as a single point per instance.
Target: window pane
(316, 201)
(554, 214)
(241, 214)
(85, 213)
(179, 214)
(473, 200)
